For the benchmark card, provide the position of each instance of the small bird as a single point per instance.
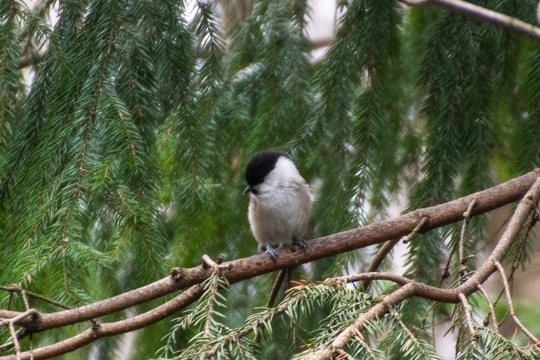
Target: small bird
(280, 201)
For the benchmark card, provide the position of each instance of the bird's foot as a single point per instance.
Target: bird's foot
(271, 251)
(299, 243)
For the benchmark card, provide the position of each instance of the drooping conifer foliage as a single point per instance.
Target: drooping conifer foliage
(125, 127)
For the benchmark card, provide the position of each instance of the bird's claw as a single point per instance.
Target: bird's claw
(270, 250)
(300, 243)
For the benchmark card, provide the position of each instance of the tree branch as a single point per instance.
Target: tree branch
(14, 288)
(242, 269)
(480, 13)
(491, 309)
(468, 316)
(110, 329)
(458, 294)
(511, 305)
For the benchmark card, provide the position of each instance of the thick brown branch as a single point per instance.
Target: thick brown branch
(515, 225)
(319, 248)
(246, 268)
(323, 247)
(110, 329)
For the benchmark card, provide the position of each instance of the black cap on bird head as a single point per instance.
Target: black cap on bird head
(259, 166)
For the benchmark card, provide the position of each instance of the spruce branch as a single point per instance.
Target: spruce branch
(303, 294)
(386, 304)
(526, 187)
(82, 167)
(204, 317)
(410, 335)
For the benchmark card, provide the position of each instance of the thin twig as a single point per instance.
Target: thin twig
(276, 287)
(466, 220)
(25, 300)
(398, 279)
(520, 250)
(387, 247)
(381, 254)
(272, 298)
(468, 316)
(491, 308)
(415, 231)
(23, 315)
(364, 344)
(13, 333)
(511, 305)
(14, 288)
(409, 333)
(446, 272)
(207, 262)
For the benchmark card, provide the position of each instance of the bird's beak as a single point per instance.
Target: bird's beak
(246, 190)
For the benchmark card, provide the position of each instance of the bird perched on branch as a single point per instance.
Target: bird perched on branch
(280, 201)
